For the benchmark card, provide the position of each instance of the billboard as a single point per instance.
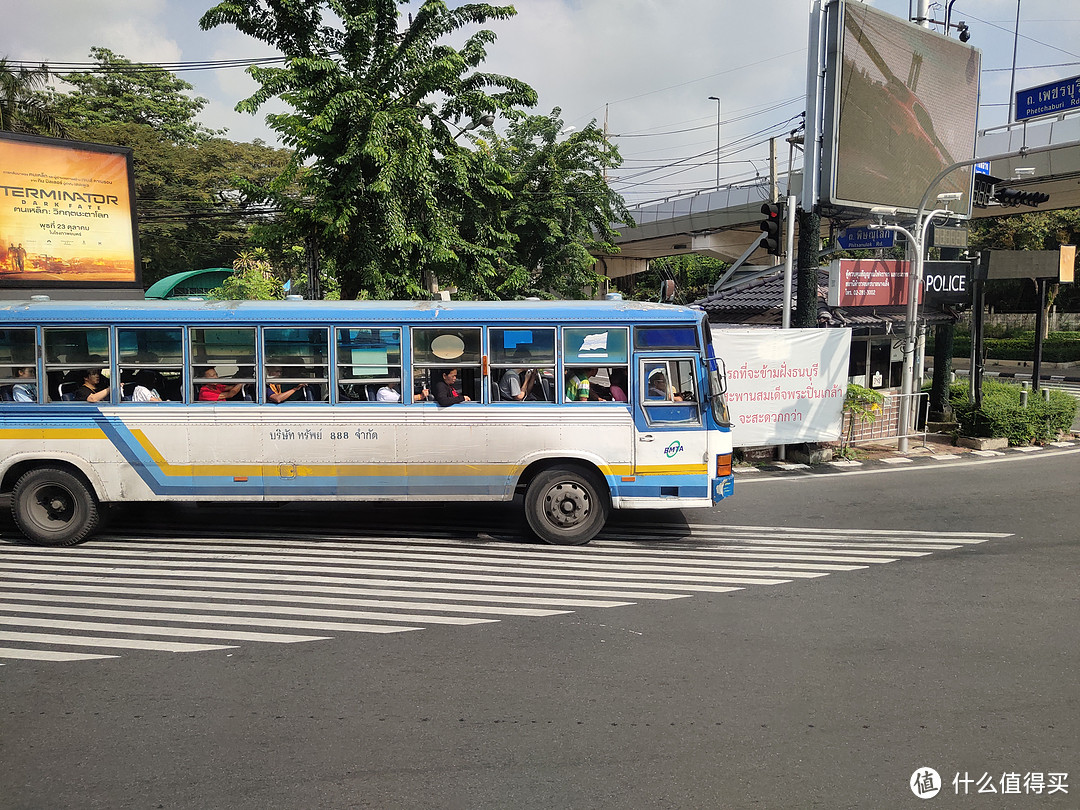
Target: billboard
(785, 385)
(67, 214)
(900, 106)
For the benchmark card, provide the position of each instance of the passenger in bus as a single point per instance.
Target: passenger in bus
(91, 390)
(619, 385)
(216, 392)
(390, 393)
(516, 383)
(25, 390)
(446, 390)
(276, 393)
(577, 384)
(145, 389)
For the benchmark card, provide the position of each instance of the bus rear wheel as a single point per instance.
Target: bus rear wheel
(565, 507)
(54, 508)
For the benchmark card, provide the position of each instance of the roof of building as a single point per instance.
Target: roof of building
(759, 302)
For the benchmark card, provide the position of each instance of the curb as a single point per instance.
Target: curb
(1018, 375)
(927, 459)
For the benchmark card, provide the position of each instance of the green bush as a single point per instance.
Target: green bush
(1059, 347)
(1001, 415)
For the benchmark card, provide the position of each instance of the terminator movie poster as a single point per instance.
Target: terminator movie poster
(66, 214)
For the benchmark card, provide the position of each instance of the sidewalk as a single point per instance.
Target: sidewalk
(1016, 369)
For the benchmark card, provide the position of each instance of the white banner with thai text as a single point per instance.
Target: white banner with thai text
(785, 386)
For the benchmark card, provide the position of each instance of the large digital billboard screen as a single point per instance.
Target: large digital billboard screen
(901, 106)
(67, 214)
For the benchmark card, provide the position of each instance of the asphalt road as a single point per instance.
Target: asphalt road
(956, 648)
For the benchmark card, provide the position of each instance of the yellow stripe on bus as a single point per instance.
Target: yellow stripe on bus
(396, 469)
(51, 433)
(668, 469)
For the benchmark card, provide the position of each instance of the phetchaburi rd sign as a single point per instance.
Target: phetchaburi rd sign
(1048, 99)
(868, 283)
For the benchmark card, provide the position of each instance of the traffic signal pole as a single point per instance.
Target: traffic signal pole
(789, 263)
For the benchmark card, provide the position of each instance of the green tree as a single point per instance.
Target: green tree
(253, 278)
(376, 115)
(199, 197)
(692, 273)
(1038, 230)
(193, 209)
(561, 207)
(22, 106)
(121, 91)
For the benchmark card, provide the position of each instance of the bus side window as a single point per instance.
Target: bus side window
(18, 366)
(439, 349)
(223, 364)
(152, 359)
(668, 392)
(368, 361)
(69, 354)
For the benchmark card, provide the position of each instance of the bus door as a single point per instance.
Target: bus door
(671, 447)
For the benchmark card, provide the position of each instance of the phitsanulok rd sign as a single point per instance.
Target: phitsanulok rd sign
(1048, 99)
(865, 239)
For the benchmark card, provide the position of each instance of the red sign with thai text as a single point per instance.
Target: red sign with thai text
(868, 282)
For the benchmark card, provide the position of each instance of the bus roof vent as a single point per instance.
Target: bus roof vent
(613, 297)
(40, 298)
(294, 298)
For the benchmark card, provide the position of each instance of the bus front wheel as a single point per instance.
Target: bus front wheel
(54, 508)
(565, 507)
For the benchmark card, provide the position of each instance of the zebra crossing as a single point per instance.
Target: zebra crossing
(211, 593)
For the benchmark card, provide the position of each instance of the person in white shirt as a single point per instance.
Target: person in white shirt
(390, 393)
(144, 390)
(25, 390)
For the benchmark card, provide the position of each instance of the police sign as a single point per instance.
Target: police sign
(946, 283)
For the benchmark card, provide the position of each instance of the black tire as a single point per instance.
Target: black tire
(52, 507)
(566, 506)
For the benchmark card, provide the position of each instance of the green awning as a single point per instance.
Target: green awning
(188, 283)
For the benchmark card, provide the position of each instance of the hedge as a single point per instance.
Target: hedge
(1056, 349)
(1002, 416)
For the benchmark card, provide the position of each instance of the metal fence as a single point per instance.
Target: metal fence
(886, 427)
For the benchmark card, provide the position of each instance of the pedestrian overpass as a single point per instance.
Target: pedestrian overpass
(724, 222)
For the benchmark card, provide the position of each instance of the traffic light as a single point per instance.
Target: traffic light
(1011, 197)
(773, 227)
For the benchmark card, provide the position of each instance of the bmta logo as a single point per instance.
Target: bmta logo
(673, 449)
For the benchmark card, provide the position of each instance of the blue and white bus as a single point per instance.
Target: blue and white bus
(577, 407)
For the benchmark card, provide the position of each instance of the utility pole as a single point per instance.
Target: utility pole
(717, 100)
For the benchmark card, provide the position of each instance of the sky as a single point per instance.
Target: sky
(644, 70)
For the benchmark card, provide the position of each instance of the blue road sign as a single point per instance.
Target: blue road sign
(865, 239)
(1048, 99)
(983, 168)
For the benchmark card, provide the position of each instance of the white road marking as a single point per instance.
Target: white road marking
(340, 584)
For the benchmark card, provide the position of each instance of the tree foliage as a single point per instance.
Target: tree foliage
(1038, 230)
(252, 279)
(198, 196)
(561, 206)
(119, 90)
(377, 111)
(692, 273)
(23, 108)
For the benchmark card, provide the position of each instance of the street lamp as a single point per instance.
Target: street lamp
(717, 100)
(482, 121)
(917, 241)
